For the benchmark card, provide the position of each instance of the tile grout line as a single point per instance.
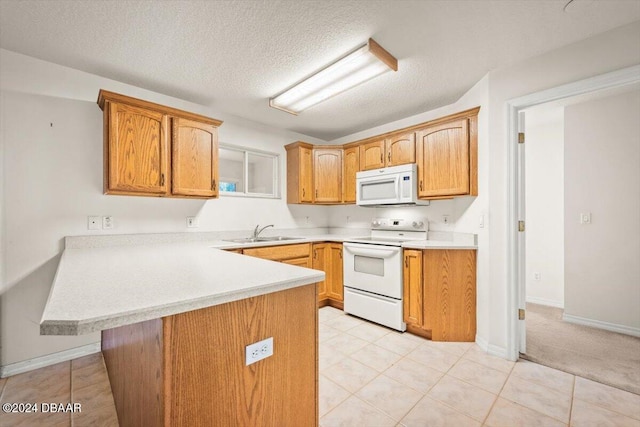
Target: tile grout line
(573, 393)
(484, 422)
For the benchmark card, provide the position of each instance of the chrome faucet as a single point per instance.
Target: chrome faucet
(257, 232)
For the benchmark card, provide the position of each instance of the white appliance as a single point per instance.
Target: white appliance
(396, 185)
(373, 270)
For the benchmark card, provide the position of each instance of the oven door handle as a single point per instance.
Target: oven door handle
(375, 253)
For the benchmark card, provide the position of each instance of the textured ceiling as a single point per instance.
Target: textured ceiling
(234, 55)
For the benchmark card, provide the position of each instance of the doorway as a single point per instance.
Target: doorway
(518, 273)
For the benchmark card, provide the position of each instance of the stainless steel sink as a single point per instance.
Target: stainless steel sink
(262, 239)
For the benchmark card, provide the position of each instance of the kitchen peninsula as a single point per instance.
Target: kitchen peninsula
(175, 321)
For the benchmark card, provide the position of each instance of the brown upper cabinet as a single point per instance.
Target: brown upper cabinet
(299, 172)
(447, 159)
(398, 149)
(314, 173)
(154, 150)
(351, 161)
(327, 175)
(445, 150)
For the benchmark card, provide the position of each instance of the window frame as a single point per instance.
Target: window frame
(245, 173)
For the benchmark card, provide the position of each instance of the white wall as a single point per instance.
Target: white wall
(602, 176)
(600, 54)
(52, 180)
(544, 199)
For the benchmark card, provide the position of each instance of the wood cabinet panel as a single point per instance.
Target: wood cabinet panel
(280, 253)
(133, 357)
(443, 160)
(210, 384)
(351, 159)
(319, 262)
(327, 175)
(372, 155)
(299, 173)
(450, 294)
(413, 284)
(195, 159)
(401, 149)
(135, 150)
(335, 281)
(142, 157)
(300, 262)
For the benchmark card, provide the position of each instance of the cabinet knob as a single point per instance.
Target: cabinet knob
(161, 180)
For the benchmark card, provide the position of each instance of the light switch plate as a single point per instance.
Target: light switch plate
(258, 351)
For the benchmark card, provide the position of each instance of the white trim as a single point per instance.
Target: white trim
(547, 302)
(610, 80)
(491, 349)
(613, 327)
(49, 359)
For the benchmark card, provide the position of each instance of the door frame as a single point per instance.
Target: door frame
(515, 182)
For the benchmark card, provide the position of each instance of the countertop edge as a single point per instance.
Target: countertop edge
(73, 328)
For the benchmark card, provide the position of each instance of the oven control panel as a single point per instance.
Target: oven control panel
(418, 224)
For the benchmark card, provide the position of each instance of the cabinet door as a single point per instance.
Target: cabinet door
(137, 150)
(195, 159)
(300, 262)
(318, 262)
(401, 149)
(335, 284)
(327, 166)
(412, 295)
(351, 160)
(372, 155)
(450, 294)
(306, 175)
(443, 160)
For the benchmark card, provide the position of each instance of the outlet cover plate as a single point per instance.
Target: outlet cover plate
(258, 351)
(94, 223)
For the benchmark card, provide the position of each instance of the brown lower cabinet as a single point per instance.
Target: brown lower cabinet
(189, 369)
(328, 258)
(440, 293)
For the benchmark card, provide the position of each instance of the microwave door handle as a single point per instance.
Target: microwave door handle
(399, 187)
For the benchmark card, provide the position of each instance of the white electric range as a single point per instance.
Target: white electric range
(373, 270)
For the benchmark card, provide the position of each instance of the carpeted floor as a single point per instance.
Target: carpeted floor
(603, 356)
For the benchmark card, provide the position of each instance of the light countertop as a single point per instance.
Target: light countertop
(102, 288)
(115, 280)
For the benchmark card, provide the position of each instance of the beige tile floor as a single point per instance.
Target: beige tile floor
(372, 376)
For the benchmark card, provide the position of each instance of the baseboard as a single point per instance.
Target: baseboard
(49, 359)
(491, 349)
(613, 327)
(548, 302)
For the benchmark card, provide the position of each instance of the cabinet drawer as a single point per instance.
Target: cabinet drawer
(278, 253)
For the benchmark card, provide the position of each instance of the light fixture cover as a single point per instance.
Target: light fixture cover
(364, 63)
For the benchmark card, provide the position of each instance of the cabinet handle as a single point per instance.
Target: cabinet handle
(213, 184)
(315, 254)
(420, 185)
(316, 193)
(303, 192)
(161, 180)
(389, 157)
(340, 255)
(406, 261)
(381, 158)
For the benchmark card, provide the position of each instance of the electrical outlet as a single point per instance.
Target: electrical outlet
(107, 222)
(536, 276)
(93, 223)
(445, 219)
(192, 222)
(258, 351)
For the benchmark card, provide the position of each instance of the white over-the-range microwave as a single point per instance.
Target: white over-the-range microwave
(393, 186)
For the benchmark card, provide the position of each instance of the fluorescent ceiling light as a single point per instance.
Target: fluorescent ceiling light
(362, 64)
